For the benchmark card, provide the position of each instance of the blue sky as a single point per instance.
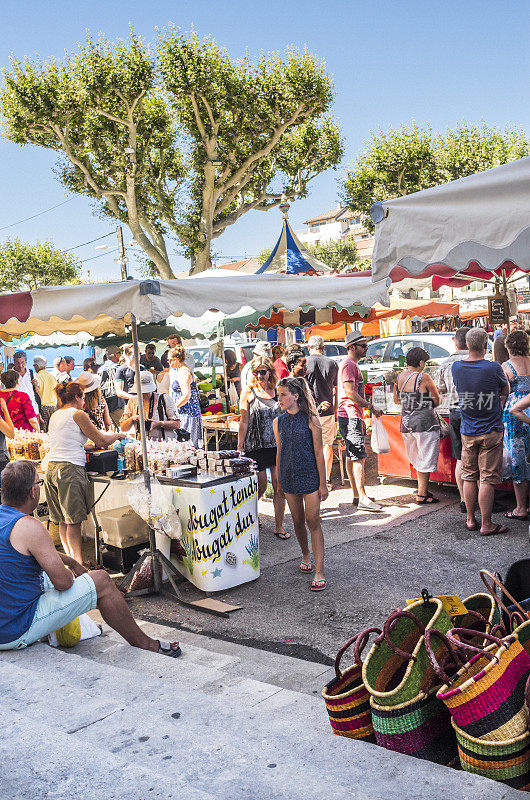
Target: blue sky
(392, 61)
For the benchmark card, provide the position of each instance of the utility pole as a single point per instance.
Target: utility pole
(122, 259)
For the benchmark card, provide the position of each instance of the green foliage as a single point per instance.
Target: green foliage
(341, 255)
(25, 266)
(413, 158)
(137, 130)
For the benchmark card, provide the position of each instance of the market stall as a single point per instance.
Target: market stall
(214, 545)
(395, 464)
(397, 319)
(474, 228)
(102, 308)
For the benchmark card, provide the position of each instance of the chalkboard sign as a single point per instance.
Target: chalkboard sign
(498, 309)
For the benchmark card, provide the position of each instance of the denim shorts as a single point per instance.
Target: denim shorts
(56, 609)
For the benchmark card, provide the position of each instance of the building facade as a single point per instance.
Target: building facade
(339, 223)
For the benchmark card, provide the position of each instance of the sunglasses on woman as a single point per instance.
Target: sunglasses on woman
(260, 372)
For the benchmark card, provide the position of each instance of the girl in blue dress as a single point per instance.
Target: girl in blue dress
(302, 472)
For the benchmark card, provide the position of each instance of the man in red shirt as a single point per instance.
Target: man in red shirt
(351, 402)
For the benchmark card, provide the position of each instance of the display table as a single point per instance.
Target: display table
(220, 530)
(396, 464)
(218, 430)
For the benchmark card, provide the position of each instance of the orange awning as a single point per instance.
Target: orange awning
(415, 308)
(329, 331)
(474, 313)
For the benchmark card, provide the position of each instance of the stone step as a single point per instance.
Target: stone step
(230, 737)
(236, 659)
(42, 763)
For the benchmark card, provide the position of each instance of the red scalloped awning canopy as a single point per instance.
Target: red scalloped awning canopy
(16, 306)
(442, 275)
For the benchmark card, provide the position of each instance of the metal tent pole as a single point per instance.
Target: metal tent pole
(158, 559)
(143, 440)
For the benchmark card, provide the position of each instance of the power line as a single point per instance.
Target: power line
(99, 255)
(20, 221)
(77, 246)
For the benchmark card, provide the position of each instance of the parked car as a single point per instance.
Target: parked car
(383, 354)
(335, 350)
(205, 360)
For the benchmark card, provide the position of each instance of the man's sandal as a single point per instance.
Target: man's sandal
(495, 531)
(426, 499)
(283, 535)
(165, 649)
(306, 566)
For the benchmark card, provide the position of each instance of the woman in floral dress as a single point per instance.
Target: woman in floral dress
(516, 433)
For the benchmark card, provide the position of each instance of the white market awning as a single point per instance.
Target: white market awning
(106, 307)
(478, 224)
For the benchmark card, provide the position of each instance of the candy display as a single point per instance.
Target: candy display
(28, 444)
(164, 456)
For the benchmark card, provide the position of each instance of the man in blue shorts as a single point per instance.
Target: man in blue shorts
(40, 589)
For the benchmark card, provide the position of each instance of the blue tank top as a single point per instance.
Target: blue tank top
(21, 583)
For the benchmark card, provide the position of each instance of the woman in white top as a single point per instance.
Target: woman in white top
(68, 490)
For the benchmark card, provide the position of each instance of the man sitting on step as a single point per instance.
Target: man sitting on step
(40, 589)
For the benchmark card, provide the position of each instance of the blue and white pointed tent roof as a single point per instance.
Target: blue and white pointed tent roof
(289, 254)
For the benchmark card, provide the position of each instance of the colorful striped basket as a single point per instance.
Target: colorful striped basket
(486, 697)
(420, 728)
(482, 615)
(346, 698)
(507, 761)
(397, 669)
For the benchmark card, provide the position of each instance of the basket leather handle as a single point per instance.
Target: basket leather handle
(459, 632)
(360, 641)
(499, 629)
(392, 620)
(516, 619)
(496, 583)
(478, 616)
(457, 661)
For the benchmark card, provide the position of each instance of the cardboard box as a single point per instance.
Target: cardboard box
(122, 527)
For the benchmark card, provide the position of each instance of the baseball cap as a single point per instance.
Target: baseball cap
(147, 382)
(355, 337)
(112, 349)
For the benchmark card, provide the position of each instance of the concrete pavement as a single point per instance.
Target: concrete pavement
(374, 562)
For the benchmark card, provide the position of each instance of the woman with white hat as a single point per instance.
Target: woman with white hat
(95, 404)
(161, 419)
